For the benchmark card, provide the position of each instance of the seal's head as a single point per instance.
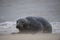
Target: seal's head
(22, 24)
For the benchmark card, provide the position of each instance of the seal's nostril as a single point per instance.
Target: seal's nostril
(17, 27)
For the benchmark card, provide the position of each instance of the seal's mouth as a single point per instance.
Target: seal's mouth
(19, 26)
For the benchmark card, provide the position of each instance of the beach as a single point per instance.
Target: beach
(37, 36)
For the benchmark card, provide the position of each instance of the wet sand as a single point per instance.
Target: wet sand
(37, 36)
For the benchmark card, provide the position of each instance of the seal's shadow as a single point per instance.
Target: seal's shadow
(26, 32)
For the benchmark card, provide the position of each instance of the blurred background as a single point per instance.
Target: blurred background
(10, 10)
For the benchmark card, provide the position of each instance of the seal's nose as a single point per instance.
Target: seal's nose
(17, 26)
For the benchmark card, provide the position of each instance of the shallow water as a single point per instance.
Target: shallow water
(10, 27)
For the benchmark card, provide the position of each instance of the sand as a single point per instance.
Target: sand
(37, 36)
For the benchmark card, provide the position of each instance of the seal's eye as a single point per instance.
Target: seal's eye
(17, 21)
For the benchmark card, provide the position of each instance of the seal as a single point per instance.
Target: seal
(34, 24)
